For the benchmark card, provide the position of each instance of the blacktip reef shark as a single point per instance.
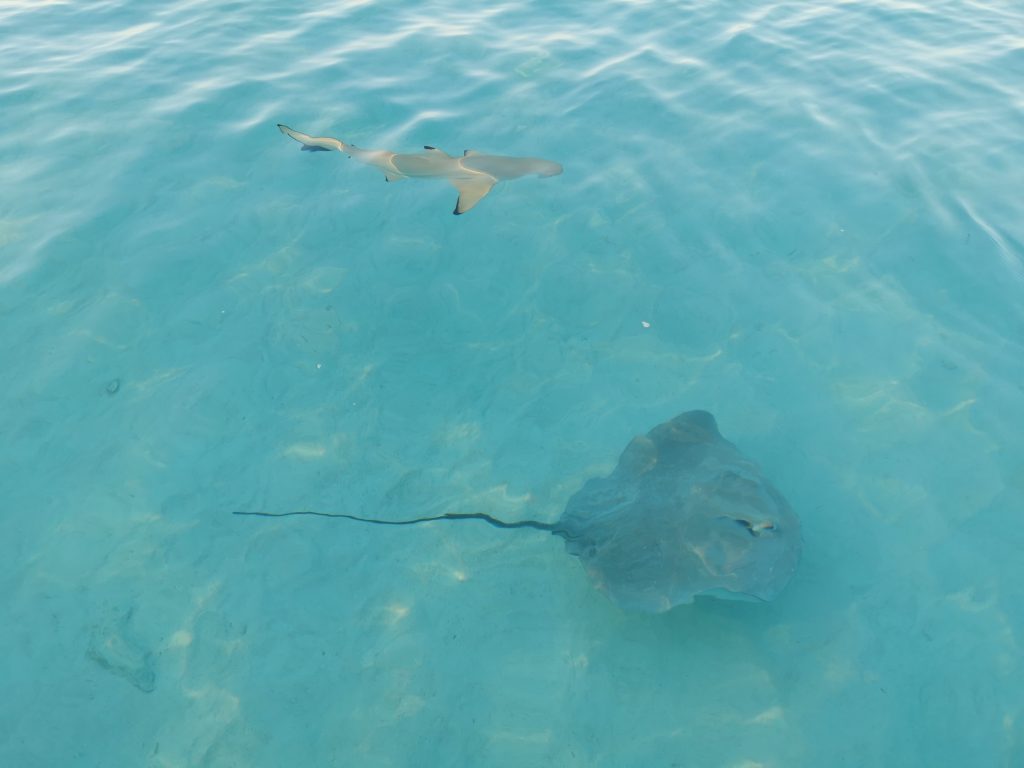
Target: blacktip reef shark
(473, 174)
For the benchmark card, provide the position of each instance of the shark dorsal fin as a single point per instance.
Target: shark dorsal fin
(434, 150)
(469, 152)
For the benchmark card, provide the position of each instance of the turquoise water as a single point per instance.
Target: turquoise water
(803, 217)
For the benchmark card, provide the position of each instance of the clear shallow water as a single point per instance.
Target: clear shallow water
(816, 208)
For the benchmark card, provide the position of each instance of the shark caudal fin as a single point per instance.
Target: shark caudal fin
(313, 143)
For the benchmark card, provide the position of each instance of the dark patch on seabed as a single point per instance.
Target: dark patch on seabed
(115, 648)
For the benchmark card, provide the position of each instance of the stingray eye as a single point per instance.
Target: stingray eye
(754, 529)
(745, 524)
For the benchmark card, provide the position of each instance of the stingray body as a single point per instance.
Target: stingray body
(683, 513)
(473, 174)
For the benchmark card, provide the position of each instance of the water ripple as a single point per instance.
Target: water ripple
(805, 217)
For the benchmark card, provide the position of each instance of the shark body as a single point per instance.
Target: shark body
(472, 175)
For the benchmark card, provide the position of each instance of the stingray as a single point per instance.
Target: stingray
(472, 175)
(684, 513)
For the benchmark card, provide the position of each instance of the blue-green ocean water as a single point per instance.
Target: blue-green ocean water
(805, 217)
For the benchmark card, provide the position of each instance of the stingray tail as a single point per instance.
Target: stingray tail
(551, 527)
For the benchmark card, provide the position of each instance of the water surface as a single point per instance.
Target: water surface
(803, 217)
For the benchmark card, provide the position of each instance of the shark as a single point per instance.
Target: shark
(473, 174)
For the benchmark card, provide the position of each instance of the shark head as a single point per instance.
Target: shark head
(547, 168)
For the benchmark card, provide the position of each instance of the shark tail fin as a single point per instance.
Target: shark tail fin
(313, 143)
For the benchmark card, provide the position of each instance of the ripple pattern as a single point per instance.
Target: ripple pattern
(804, 217)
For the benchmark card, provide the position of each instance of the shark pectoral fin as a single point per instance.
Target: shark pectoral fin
(469, 152)
(310, 148)
(471, 192)
(389, 176)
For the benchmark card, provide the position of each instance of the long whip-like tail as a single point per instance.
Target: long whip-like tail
(551, 527)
